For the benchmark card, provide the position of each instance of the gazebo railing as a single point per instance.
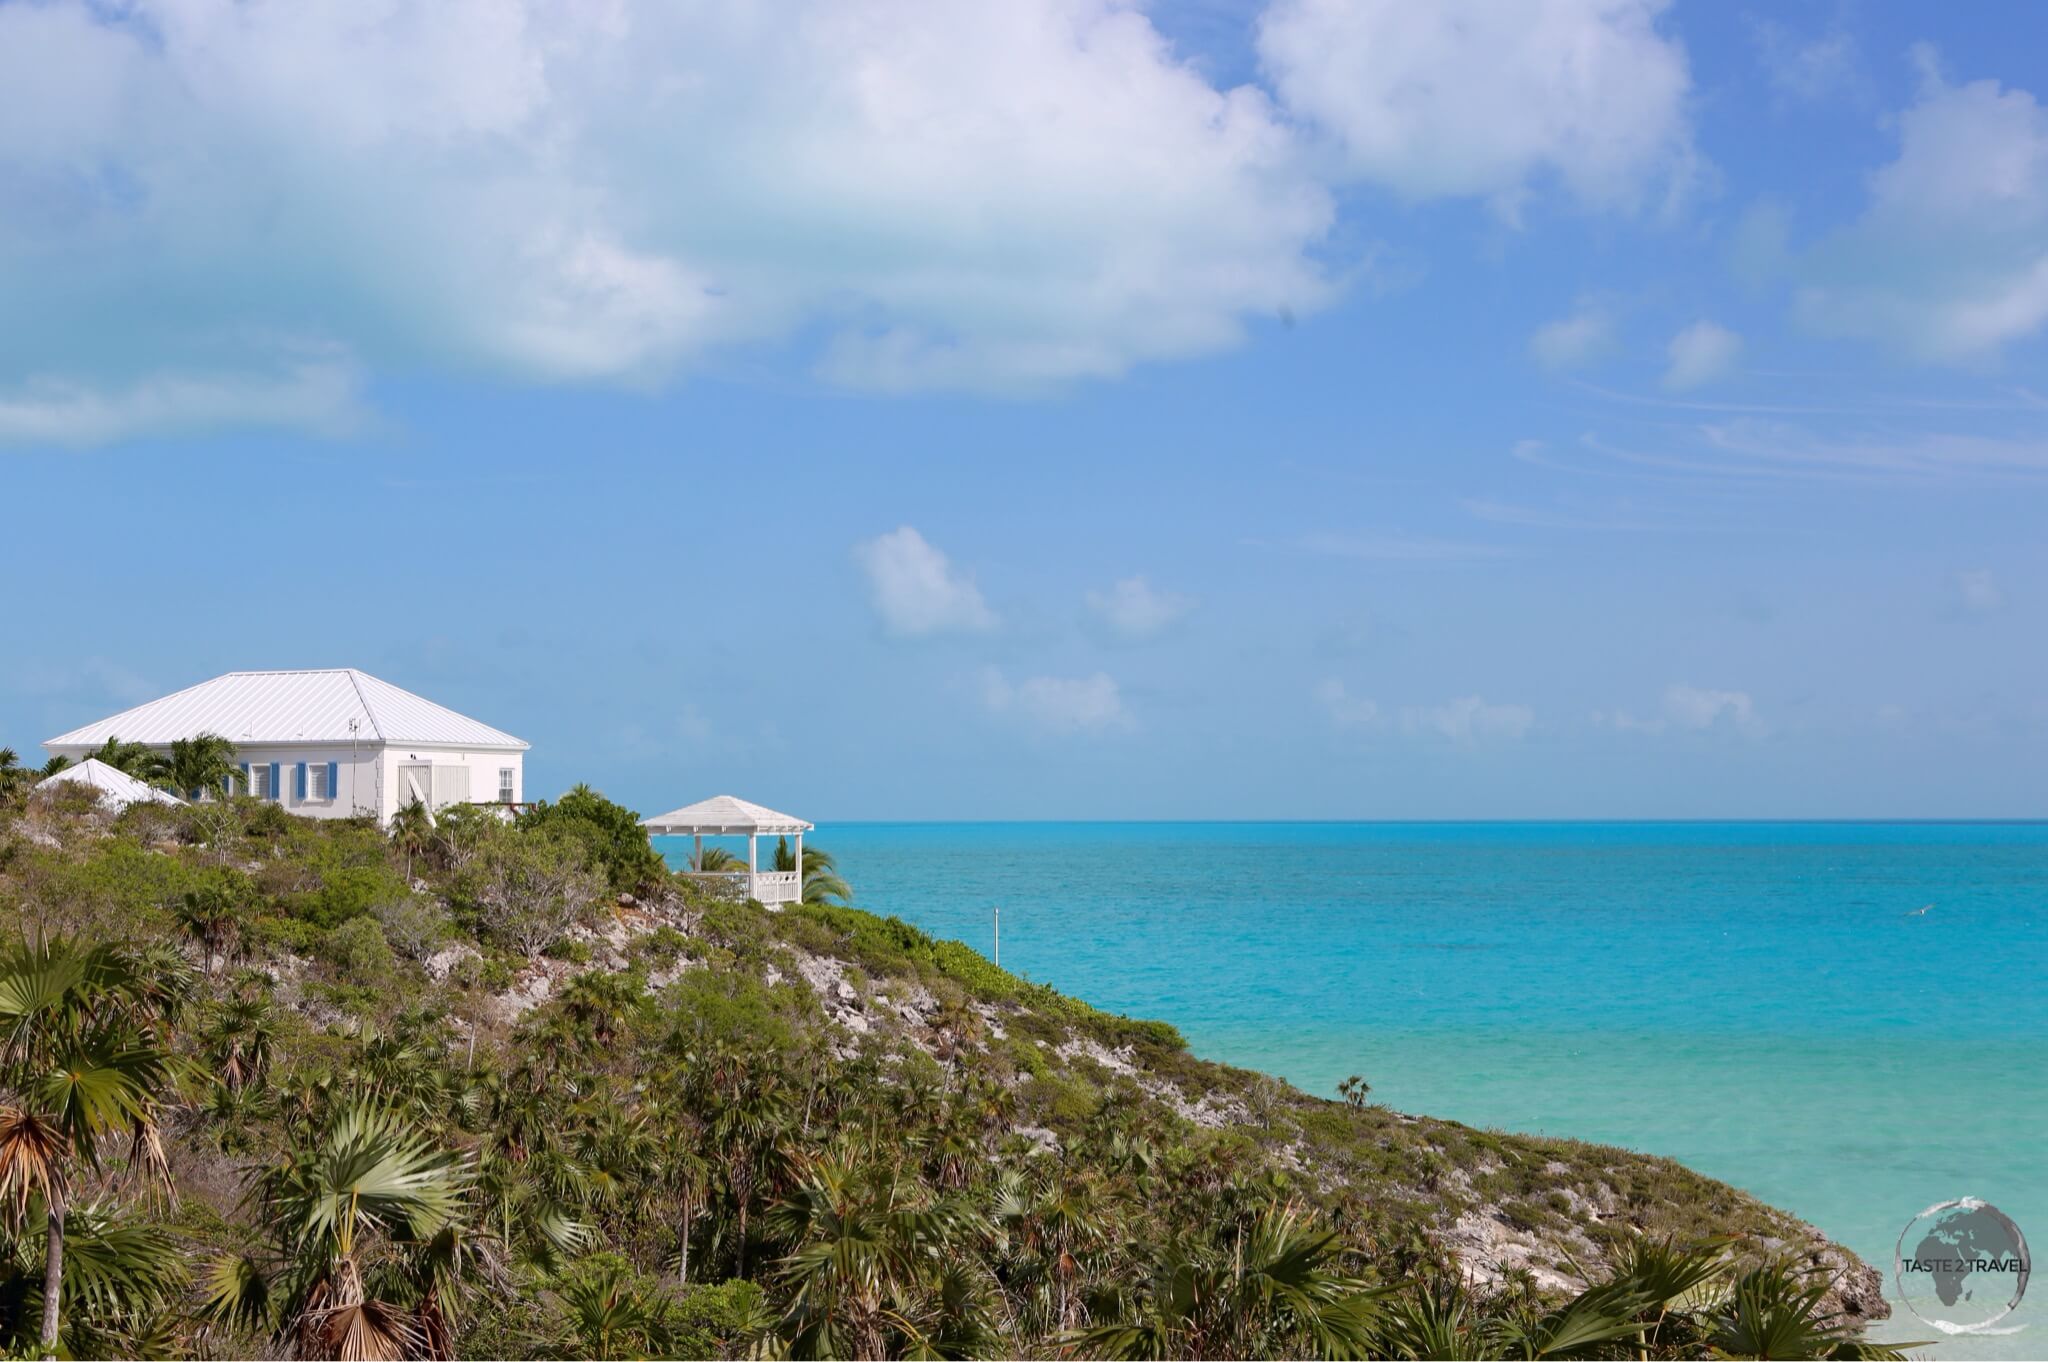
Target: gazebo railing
(768, 886)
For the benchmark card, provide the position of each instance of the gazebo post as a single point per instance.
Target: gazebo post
(799, 865)
(698, 864)
(753, 866)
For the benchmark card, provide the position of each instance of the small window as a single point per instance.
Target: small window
(259, 781)
(507, 794)
(316, 781)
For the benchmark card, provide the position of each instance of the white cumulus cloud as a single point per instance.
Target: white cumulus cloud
(1135, 609)
(1058, 704)
(1949, 261)
(1700, 354)
(1469, 718)
(994, 197)
(1486, 99)
(916, 590)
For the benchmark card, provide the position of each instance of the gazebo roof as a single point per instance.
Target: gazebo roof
(117, 789)
(723, 816)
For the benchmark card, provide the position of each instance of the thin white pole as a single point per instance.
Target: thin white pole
(998, 961)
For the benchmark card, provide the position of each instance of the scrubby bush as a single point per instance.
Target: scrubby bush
(415, 926)
(349, 892)
(525, 891)
(610, 835)
(357, 949)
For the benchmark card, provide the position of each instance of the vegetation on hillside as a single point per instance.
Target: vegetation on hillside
(486, 1089)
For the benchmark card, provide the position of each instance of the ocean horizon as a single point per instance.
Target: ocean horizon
(1764, 1001)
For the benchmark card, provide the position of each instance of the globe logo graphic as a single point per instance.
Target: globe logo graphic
(1962, 1266)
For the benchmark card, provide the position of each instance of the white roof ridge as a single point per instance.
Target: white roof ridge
(355, 679)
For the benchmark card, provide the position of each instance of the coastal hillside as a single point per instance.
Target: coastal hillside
(473, 1088)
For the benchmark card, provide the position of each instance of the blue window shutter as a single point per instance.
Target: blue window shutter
(276, 790)
(333, 771)
(245, 780)
(301, 795)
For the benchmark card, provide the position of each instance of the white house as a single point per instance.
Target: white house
(327, 744)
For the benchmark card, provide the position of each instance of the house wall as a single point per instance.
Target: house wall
(355, 775)
(367, 781)
(483, 766)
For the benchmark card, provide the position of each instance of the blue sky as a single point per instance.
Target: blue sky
(1580, 409)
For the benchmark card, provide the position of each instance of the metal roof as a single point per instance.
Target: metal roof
(722, 816)
(117, 788)
(292, 707)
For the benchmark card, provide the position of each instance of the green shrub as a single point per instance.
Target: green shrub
(349, 892)
(610, 834)
(660, 947)
(706, 1321)
(274, 933)
(569, 949)
(358, 949)
(733, 1008)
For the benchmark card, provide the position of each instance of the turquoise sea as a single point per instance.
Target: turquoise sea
(1758, 1000)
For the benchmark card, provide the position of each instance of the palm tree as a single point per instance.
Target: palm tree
(131, 758)
(13, 775)
(870, 1265)
(1264, 1289)
(122, 1282)
(716, 860)
(212, 915)
(239, 1040)
(81, 1064)
(367, 1184)
(822, 882)
(412, 832)
(198, 763)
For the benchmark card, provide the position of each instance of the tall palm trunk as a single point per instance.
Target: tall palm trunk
(53, 1274)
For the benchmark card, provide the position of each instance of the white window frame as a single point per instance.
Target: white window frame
(316, 779)
(508, 784)
(259, 781)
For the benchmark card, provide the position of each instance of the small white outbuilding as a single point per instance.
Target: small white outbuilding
(727, 816)
(116, 788)
(329, 743)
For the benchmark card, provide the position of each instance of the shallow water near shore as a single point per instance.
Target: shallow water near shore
(1761, 1001)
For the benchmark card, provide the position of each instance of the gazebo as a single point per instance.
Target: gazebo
(115, 787)
(725, 816)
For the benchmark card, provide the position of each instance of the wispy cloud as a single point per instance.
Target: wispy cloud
(1134, 609)
(1700, 354)
(1345, 709)
(1977, 592)
(1627, 520)
(1058, 704)
(915, 589)
(1691, 709)
(1393, 546)
(1572, 341)
(1469, 719)
(1808, 67)
(320, 397)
